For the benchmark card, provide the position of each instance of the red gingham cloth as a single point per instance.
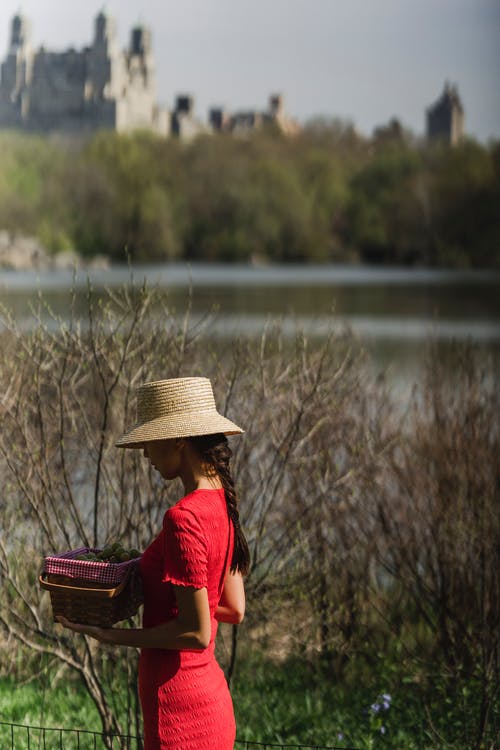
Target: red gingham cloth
(107, 573)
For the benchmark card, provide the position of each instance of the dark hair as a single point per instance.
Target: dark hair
(215, 450)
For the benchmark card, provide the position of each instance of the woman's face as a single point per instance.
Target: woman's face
(164, 456)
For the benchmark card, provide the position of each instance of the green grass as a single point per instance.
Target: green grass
(37, 703)
(290, 702)
(294, 703)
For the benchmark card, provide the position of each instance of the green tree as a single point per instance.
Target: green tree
(383, 210)
(464, 200)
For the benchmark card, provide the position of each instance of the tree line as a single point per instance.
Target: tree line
(327, 195)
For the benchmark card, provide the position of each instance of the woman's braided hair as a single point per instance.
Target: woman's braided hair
(215, 450)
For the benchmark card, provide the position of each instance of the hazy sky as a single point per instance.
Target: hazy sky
(362, 60)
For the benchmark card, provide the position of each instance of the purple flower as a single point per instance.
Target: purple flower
(375, 707)
(382, 730)
(386, 697)
(340, 736)
(386, 705)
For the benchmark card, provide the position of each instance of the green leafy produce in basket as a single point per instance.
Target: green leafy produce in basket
(114, 553)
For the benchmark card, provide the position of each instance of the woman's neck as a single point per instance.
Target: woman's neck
(201, 482)
(195, 473)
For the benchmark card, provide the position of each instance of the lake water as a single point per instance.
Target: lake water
(394, 311)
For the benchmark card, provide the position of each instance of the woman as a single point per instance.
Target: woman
(192, 572)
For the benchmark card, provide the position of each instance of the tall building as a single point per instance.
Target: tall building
(445, 118)
(248, 121)
(74, 91)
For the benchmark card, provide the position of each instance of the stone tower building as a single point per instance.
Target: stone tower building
(74, 91)
(247, 121)
(445, 118)
(15, 74)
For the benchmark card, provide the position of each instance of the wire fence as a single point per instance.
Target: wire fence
(23, 737)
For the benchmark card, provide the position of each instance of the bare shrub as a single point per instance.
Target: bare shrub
(440, 528)
(68, 391)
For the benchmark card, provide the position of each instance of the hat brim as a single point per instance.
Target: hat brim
(177, 426)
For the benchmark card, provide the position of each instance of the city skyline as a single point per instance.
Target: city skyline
(328, 59)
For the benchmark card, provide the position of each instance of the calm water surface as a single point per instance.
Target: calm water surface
(394, 311)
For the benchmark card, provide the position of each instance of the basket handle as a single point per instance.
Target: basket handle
(105, 591)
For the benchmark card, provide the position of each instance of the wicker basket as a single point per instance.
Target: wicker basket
(91, 604)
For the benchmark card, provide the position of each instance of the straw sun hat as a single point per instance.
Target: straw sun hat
(180, 407)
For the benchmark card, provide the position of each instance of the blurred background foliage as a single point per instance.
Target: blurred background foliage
(327, 195)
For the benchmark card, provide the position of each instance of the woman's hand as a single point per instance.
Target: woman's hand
(94, 631)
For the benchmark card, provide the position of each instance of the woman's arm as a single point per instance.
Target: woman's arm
(190, 629)
(232, 602)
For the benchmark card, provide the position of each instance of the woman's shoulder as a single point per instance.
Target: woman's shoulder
(199, 499)
(200, 505)
(196, 503)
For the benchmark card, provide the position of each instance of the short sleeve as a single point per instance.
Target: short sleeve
(185, 552)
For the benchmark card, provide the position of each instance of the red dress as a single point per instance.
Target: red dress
(185, 700)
